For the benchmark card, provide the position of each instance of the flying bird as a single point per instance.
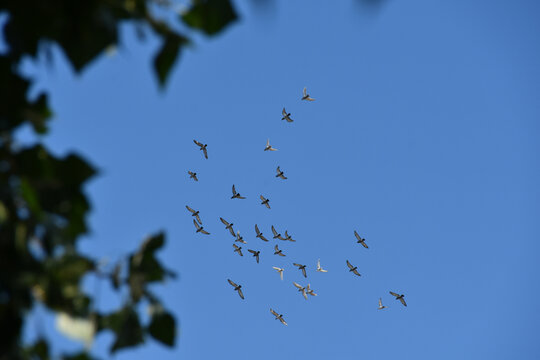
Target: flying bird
(288, 237)
(280, 174)
(200, 228)
(360, 240)
(265, 202)
(278, 252)
(301, 267)
(237, 288)
(399, 297)
(237, 249)
(278, 317)
(306, 96)
(319, 268)
(302, 289)
(236, 195)
(202, 147)
(193, 175)
(194, 213)
(286, 115)
(239, 238)
(276, 234)
(353, 268)
(228, 226)
(381, 306)
(279, 270)
(268, 146)
(310, 291)
(260, 234)
(255, 254)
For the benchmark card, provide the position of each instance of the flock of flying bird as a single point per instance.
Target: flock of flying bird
(305, 290)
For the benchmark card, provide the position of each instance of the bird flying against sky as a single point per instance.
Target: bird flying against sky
(305, 96)
(202, 147)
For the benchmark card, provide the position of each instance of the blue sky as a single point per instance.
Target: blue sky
(423, 138)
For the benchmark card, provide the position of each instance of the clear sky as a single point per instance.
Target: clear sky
(423, 138)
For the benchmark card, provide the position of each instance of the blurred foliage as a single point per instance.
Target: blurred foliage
(43, 207)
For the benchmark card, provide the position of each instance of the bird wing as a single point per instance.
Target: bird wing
(319, 264)
(196, 225)
(198, 143)
(233, 190)
(274, 313)
(262, 198)
(304, 92)
(283, 177)
(281, 274)
(231, 230)
(241, 197)
(276, 248)
(205, 232)
(298, 285)
(232, 282)
(240, 293)
(190, 209)
(274, 230)
(295, 264)
(267, 205)
(284, 112)
(403, 301)
(380, 302)
(195, 177)
(267, 142)
(364, 244)
(257, 230)
(224, 221)
(349, 264)
(282, 321)
(198, 219)
(310, 98)
(235, 247)
(304, 294)
(205, 153)
(263, 238)
(272, 149)
(257, 256)
(276, 268)
(394, 294)
(357, 236)
(278, 170)
(252, 251)
(304, 272)
(355, 272)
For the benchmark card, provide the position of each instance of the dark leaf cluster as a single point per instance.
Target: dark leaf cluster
(43, 207)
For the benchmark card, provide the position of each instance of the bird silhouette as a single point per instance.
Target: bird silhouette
(353, 268)
(202, 147)
(236, 195)
(278, 317)
(193, 175)
(399, 297)
(305, 96)
(268, 146)
(200, 228)
(301, 267)
(286, 115)
(255, 254)
(360, 240)
(237, 288)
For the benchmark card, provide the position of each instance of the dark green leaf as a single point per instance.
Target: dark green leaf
(163, 328)
(127, 328)
(210, 16)
(38, 350)
(78, 356)
(167, 55)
